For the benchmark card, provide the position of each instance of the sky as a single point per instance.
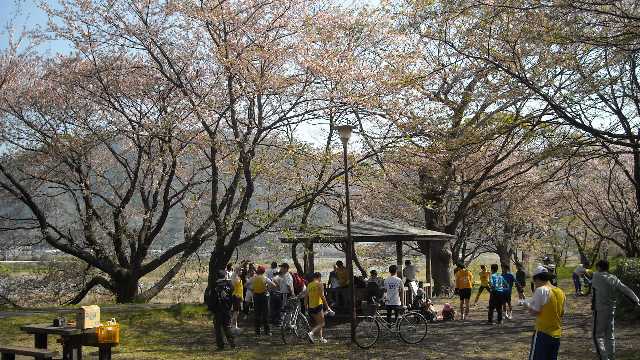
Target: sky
(25, 15)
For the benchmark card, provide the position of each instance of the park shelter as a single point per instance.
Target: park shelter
(369, 231)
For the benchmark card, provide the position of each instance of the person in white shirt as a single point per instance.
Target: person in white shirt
(410, 273)
(393, 287)
(284, 281)
(273, 271)
(578, 273)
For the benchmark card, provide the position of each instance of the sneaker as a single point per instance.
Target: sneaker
(310, 336)
(323, 340)
(489, 322)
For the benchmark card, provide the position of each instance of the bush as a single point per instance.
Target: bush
(628, 271)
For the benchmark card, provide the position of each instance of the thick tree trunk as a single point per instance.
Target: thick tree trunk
(125, 287)
(217, 261)
(504, 253)
(440, 263)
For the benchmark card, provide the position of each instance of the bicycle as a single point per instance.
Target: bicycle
(295, 326)
(446, 292)
(410, 327)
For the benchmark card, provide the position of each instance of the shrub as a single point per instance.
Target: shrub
(628, 271)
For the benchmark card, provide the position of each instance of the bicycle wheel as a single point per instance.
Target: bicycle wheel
(302, 328)
(412, 327)
(293, 332)
(367, 332)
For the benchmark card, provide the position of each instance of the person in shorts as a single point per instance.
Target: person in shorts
(464, 284)
(316, 304)
(484, 282)
(238, 297)
(510, 279)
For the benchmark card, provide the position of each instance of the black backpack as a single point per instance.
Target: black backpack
(220, 298)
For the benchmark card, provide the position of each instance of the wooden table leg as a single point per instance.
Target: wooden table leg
(104, 352)
(67, 350)
(71, 348)
(40, 341)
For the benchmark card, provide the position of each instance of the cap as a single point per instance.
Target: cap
(539, 270)
(284, 265)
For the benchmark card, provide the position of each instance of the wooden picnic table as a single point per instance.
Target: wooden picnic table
(72, 340)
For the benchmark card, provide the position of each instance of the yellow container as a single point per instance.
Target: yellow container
(108, 334)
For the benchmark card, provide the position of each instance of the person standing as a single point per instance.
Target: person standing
(497, 290)
(285, 290)
(392, 287)
(548, 306)
(410, 273)
(259, 286)
(315, 302)
(605, 287)
(273, 271)
(237, 297)
(521, 283)
(484, 282)
(510, 279)
(219, 302)
(464, 284)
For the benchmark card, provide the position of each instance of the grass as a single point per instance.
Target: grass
(184, 331)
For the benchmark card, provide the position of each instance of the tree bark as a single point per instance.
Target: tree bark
(294, 256)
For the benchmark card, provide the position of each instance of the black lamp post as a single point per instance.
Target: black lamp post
(345, 133)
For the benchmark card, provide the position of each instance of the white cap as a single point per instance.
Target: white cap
(539, 270)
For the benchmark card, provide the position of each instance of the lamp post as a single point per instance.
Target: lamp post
(345, 133)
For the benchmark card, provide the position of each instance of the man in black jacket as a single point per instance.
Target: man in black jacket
(219, 302)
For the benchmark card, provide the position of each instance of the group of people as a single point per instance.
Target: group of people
(267, 290)
(548, 302)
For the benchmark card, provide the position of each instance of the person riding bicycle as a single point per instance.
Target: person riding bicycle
(393, 289)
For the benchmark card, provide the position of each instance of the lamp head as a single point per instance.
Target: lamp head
(345, 132)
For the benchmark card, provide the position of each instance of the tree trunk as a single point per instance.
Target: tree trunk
(125, 287)
(217, 261)
(356, 261)
(504, 253)
(294, 256)
(440, 262)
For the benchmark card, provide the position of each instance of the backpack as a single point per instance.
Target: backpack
(298, 283)
(220, 297)
(448, 313)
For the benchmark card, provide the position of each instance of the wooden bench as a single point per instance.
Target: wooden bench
(10, 352)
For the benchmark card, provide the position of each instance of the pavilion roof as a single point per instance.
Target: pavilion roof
(370, 230)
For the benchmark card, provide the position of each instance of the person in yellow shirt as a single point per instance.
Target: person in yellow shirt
(484, 282)
(238, 297)
(548, 305)
(464, 284)
(315, 302)
(260, 285)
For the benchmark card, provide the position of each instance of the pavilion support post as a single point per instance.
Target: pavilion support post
(427, 271)
(399, 265)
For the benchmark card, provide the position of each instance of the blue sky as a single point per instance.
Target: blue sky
(24, 14)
